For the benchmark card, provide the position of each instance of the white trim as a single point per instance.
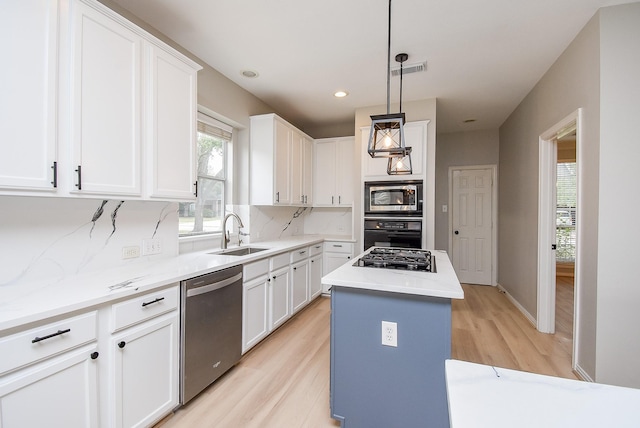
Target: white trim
(494, 214)
(546, 228)
(517, 304)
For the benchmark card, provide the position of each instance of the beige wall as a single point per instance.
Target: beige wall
(459, 149)
(571, 83)
(618, 341)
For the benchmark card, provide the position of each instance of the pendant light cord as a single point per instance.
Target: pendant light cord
(401, 63)
(389, 62)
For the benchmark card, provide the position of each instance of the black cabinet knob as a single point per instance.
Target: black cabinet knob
(94, 355)
(122, 344)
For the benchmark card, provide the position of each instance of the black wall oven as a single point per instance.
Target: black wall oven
(391, 232)
(393, 214)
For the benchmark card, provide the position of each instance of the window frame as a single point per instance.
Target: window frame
(206, 122)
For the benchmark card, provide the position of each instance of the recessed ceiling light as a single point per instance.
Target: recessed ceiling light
(341, 94)
(249, 73)
(468, 121)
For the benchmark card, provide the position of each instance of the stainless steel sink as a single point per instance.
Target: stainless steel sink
(242, 251)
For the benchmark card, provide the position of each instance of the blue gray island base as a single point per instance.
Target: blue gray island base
(373, 385)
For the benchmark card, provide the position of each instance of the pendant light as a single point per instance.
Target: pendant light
(386, 138)
(400, 163)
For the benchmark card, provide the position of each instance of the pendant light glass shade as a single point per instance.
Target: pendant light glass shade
(400, 164)
(386, 137)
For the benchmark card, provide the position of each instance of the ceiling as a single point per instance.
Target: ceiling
(482, 57)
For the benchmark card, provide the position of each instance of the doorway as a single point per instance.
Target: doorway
(558, 218)
(472, 220)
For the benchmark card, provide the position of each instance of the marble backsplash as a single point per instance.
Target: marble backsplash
(51, 238)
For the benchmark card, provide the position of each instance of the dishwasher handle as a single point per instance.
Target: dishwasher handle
(214, 286)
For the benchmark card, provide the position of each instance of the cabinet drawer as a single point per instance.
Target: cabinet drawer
(299, 254)
(279, 261)
(338, 247)
(38, 343)
(315, 249)
(143, 308)
(255, 269)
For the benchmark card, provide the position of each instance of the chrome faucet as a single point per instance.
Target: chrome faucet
(225, 237)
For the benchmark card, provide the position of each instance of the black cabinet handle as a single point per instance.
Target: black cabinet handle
(295, 268)
(159, 299)
(122, 344)
(94, 355)
(79, 171)
(196, 186)
(274, 277)
(49, 336)
(54, 167)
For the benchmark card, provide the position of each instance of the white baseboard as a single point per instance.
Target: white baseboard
(517, 304)
(583, 374)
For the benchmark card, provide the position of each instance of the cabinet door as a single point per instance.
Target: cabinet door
(297, 151)
(325, 173)
(171, 126)
(307, 171)
(61, 391)
(279, 304)
(254, 312)
(299, 286)
(282, 163)
(106, 105)
(333, 261)
(344, 173)
(145, 372)
(28, 84)
(315, 275)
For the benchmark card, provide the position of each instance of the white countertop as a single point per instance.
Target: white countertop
(443, 283)
(28, 302)
(486, 396)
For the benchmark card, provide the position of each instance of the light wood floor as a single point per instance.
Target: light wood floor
(284, 381)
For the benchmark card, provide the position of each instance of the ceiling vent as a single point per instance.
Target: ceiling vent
(410, 68)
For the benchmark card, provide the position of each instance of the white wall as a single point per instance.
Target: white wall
(618, 341)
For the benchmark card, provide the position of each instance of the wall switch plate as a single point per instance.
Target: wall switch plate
(151, 246)
(390, 334)
(130, 252)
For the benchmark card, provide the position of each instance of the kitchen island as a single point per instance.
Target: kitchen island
(376, 384)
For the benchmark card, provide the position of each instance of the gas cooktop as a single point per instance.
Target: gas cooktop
(398, 258)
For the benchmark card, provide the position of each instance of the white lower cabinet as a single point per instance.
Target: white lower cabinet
(315, 276)
(279, 292)
(336, 253)
(49, 374)
(144, 366)
(61, 391)
(145, 371)
(299, 285)
(255, 303)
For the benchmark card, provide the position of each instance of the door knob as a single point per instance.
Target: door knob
(456, 232)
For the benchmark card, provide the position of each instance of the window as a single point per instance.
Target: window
(566, 212)
(205, 215)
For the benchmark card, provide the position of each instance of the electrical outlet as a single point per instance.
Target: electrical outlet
(130, 252)
(390, 334)
(151, 246)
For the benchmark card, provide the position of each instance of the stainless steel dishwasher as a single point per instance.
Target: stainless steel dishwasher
(211, 329)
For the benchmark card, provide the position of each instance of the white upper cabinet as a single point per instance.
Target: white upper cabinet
(278, 162)
(106, 105)
(333, 172)
(93, 97)
(171, 126)
(28, 84)
(415, 136)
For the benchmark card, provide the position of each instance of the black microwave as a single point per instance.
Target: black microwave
(393, 197)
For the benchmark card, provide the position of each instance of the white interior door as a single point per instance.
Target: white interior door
(472, 214)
